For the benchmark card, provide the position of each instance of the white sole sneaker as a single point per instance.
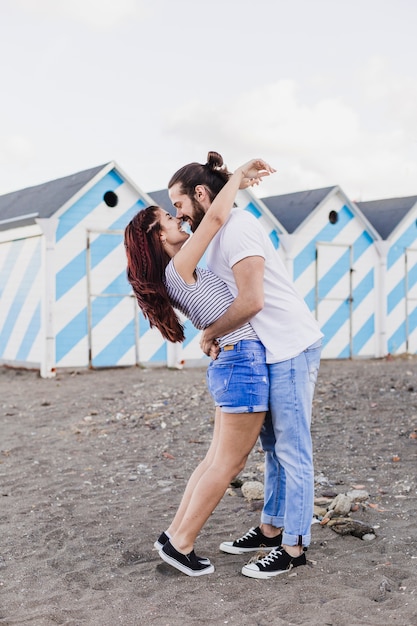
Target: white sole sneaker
(186, 563)
(158, 545)
(253, 541)
(275, 563)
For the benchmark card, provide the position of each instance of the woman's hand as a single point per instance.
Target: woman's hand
(209, 346)
(253, 171)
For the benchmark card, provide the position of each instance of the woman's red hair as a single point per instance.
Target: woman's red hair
(146, 263)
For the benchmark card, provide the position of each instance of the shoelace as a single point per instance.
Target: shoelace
(249, 534)
(270, 558)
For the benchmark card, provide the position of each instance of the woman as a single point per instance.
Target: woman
(163, 273)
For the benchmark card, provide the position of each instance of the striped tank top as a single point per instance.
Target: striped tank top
(204, 301)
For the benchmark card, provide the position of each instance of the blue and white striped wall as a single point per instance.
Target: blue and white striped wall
(401, 287)
(21, 288)
(335, 268)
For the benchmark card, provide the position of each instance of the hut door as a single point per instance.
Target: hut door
(113, 322)
(334, 298)
(411, 300)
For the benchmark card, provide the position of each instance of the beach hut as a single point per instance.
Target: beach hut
(395, 219)
(64, 297)
(330, 253)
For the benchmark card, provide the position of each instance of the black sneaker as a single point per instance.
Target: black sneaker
(253, 541)
(186, 563)
(278, 561)
(163, 538)
(161, 541)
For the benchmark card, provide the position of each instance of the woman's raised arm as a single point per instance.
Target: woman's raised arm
(247, 175)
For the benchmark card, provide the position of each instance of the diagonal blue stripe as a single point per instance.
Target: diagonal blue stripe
(100, 307)
(22, 293)
(396, 295)
(190, 333)
(335, 321)
(310, 299)
(31, 334)
(119, 285)
(143, 324)
(363, 335)
(87, 203)
(273, 235)
(71, 274)
(361, 245)
(363, 288)
(308, 255)
(397, 339)
(11, 259)
(398, 248)
(334, 275)
(412, 276)
(345, 353)
(123, 220)
(160, 356)
(102, 247)
(254, 210)
(71, 334)
(116, 348)
(103, 306)
(412, 321)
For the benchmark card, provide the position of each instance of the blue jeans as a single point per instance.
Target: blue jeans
(286, 440)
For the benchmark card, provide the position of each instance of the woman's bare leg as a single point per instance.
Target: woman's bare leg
(196, 475)
(237, 435)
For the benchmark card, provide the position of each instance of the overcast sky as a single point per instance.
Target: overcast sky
(326, 91)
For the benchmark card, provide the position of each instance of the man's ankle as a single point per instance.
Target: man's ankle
(269, 531)
(293, 551)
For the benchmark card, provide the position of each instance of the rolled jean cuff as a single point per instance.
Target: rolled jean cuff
(278, 522)
(292, 540)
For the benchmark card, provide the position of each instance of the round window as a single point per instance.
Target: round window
(333, 217)
(110, 198)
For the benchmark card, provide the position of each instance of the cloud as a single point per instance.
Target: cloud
(16, 149)
(321, 143)
(100, 14)
(392, 91)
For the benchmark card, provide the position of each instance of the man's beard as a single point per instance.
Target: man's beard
(199, 213)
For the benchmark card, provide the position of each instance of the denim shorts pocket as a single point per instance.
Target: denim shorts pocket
(218, 379)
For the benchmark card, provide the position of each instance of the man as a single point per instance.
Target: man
(242, 255)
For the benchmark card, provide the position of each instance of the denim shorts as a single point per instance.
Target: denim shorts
(238, 379)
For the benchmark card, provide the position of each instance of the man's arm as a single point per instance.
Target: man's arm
(249, 277)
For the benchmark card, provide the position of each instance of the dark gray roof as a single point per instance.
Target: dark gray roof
(291, 209)
(42, 200)
(162, 199)
(386, 214)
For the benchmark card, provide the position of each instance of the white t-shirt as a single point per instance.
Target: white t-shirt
(285, 325)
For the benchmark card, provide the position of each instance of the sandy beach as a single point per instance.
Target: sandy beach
(92, 467)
